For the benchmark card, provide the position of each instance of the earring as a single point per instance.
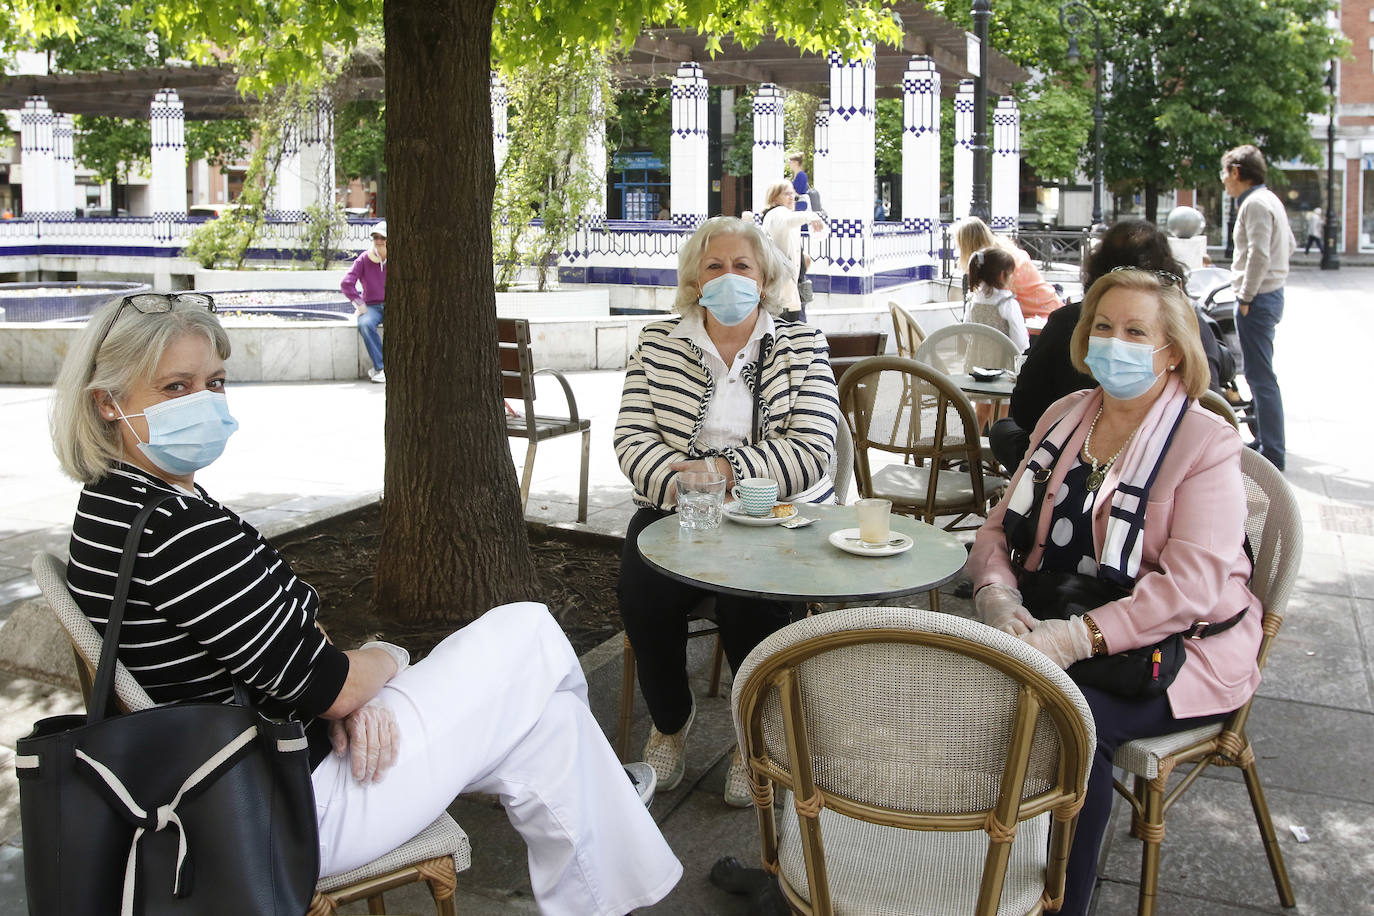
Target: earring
(1172, 368)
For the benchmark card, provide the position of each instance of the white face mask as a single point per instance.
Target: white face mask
(185, 434)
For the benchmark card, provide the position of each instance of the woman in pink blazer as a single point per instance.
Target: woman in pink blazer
(1142, 489)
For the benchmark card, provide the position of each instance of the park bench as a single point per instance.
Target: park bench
(517, 383)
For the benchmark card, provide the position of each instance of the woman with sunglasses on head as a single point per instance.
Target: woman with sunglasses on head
(1131, 495)
(498, 707)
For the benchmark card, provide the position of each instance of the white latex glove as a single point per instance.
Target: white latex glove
(401, 656)
(370, 736)
(1000, 607)
(1064, 641)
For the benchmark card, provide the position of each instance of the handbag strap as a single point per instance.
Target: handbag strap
(103, 688)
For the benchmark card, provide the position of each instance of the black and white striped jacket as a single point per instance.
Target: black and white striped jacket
(668, 387)
(209, 595)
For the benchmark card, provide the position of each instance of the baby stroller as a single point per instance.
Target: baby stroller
(1215, 302)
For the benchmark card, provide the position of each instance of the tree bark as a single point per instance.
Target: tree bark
(1152, 202)
(454, 541)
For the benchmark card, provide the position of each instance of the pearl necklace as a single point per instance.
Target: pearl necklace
(1099, 469)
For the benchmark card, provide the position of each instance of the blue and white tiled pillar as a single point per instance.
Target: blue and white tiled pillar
(963, 150)
(168, 187)
(593, 157)
(850, 175)
(768, 144)
(64, 164)
(820, 160)
(1006, 165)
(689, 147)
(921, 152)
(36, 124)
(500, 127)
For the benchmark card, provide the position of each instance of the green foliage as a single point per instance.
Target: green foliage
(1056, 125)
(739, 158)
(218, 142)
(642, 119)
(325, 225)
(226, 240)
(360, 139)
(888, 151)
(112, 147)
(554, 106)
(799, 126)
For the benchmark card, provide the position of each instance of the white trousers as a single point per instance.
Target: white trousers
(501, 707)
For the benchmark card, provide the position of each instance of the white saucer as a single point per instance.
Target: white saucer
(859, 549)
(735, 513)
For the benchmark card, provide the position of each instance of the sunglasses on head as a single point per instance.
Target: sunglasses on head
(151, 304)
(1163, 276)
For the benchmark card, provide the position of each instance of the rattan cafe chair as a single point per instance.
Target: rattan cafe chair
(957, 348)
(1219, 406)
(434, 856)
(929, 764)
(1274, 527)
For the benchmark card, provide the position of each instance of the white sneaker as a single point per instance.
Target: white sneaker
(644, 779)
(737, 794)
(377, 375)
(665, 753)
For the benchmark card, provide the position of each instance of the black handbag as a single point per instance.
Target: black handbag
(1140, 673)
(193, 808)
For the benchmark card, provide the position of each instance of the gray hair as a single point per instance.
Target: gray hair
(772, 265)
(87, 443)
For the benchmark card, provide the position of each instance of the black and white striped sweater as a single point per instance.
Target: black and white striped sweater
(668, 387)
(209, 595)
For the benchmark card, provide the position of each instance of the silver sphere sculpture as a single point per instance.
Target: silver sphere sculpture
(1185, 222)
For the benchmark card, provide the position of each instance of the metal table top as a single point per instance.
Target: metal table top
(799, 564)
(1000, 387)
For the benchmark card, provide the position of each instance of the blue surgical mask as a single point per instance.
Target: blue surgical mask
(1125, 370)
(731, 298)
(185, 434)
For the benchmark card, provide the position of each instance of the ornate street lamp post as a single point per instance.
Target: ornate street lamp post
(980, 206)
(1331, 233)
(1073, 18)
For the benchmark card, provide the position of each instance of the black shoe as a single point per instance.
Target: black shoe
(730, 875)
(964, 589)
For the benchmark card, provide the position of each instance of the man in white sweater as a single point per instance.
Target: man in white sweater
(1264, 243)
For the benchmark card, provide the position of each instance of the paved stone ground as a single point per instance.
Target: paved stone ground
(311, 450)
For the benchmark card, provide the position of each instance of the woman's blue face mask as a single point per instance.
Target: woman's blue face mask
(730, 298)
(1125, 370)
(187, 433)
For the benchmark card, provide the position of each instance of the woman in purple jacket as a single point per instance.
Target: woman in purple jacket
(369, 268)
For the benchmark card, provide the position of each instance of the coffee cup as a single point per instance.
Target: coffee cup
(757, 495)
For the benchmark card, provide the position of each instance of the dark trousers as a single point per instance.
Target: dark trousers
(1307, 248)
(1256, 332)
(1118, 720)
(655, 608)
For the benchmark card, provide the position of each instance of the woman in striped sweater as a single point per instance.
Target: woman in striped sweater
(725, 387)
(498, 707)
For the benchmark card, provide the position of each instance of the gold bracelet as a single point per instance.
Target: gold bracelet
(1099, 641)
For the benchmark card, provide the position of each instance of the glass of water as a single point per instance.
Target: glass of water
(700, 499)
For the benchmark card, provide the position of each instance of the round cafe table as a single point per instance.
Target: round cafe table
(800, 564)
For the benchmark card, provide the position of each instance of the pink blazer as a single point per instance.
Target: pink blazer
(1193, 564)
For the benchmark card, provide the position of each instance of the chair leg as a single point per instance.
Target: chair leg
(527, 475)
(717, 659)
(934, 594)
(582, 480)
(627, 702)
(1271, 841)
(1151, 831)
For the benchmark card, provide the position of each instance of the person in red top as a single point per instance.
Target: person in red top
(369, 269)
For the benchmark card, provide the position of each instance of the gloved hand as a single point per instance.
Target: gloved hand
(1064, 641)
(1000, 607)
(370, 736)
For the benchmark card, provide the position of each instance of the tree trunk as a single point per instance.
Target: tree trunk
(1152, 202)
(454, 541)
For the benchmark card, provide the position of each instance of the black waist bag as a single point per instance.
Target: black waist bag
(1135, 673)
(196, 808)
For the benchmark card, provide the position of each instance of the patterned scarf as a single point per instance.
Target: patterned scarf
(1140, 463)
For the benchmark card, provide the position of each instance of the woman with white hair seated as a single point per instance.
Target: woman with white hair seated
(498, 707)
(725, 387)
